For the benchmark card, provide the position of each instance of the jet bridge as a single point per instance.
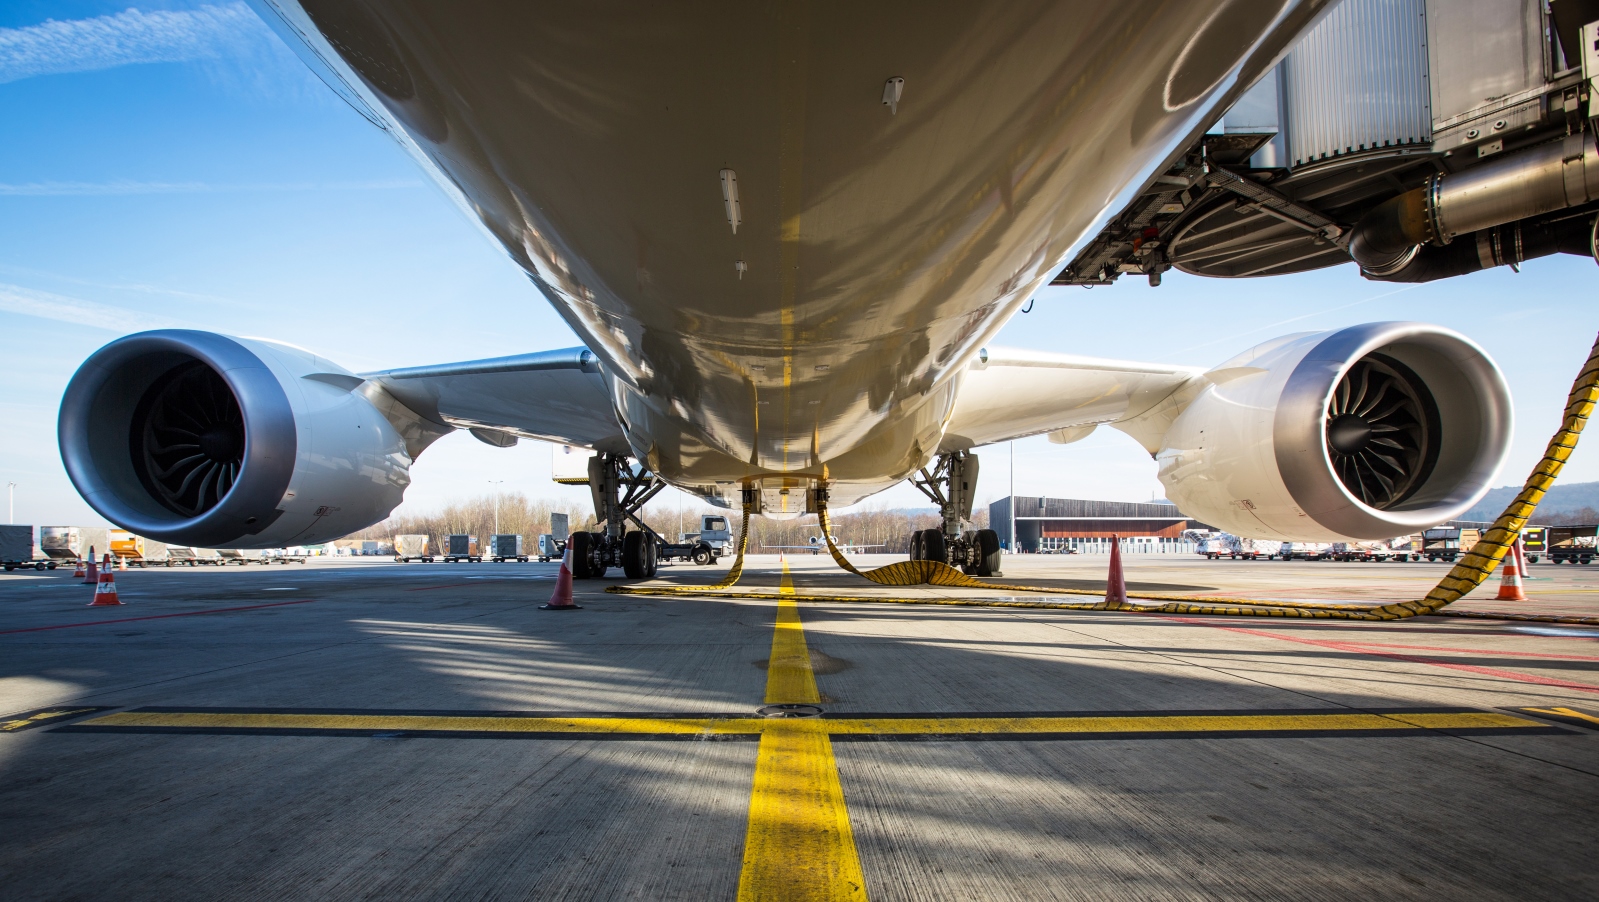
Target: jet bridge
(1420, 138)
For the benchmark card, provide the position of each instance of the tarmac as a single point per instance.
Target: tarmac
(364, 729)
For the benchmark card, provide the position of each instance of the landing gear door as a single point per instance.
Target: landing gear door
(963, 485)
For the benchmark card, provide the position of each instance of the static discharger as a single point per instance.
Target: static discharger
(730, 202)
(892, 89)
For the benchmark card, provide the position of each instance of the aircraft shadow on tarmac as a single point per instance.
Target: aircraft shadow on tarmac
(193, 816)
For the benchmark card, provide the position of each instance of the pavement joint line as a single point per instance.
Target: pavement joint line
(67, 626)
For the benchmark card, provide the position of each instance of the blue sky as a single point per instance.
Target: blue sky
(175, 165)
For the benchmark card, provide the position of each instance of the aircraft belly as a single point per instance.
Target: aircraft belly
(875, 251)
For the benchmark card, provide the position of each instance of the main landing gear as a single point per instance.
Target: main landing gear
(620, 490)
(951, 484)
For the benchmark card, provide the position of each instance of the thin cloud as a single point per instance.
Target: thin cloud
(130, 37)
(124, 187)
(79, 312)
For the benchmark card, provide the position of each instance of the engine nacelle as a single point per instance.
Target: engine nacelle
(194, 438)
(1369, 432)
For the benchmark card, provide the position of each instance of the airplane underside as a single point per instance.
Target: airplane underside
(786, 237)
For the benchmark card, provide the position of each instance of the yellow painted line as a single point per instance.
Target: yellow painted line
(788, 671)
(1204, 723)
(1565, 712)
(798, 844)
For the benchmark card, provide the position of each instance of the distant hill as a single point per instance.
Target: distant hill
(1562, 502)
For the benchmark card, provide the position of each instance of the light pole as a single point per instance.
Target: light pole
(11, 505)
(496, 483)
(1012, 505)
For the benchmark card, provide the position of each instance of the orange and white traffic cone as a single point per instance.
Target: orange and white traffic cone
(91, 573)
(105, 590)
(1510, 576)
(122, 564)
(79, 572)
(562, 599)
(1116, 580)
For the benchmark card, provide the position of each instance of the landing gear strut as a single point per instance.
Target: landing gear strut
(620, 490)
(951, 483)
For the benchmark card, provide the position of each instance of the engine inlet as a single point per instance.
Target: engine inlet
(1382, 431)
(187, 439)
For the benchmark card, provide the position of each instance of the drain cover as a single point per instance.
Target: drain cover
(789, 711)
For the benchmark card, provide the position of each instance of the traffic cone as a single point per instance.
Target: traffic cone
(79, 573)
(562, 599)
(91, 573)
(1510, 576)
(105, 590)
(1116, 581)
(122, 564)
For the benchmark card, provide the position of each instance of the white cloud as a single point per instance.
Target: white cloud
(90, 314)
(129, 37)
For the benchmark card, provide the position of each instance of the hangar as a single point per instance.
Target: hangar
(1055, 524)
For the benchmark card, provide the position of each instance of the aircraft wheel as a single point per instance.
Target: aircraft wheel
(933, 548)
(635, 555)
(916, 546)
(581, 545)
(988, 554)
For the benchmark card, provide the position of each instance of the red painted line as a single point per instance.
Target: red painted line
(1413, 659)
(1480, 651)
(67, 626)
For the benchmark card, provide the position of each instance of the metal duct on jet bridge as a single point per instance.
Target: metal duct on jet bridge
(1528, 183)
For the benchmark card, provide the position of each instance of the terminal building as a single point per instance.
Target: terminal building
(1052, 525)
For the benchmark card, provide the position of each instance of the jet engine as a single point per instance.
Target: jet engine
(194, 438)
(1369, 432)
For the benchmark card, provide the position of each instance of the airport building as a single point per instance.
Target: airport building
(1056, 524)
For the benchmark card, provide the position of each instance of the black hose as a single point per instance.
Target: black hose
(1506, 245)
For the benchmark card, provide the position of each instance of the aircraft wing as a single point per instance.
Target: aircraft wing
(554, 396)
(1009, 393)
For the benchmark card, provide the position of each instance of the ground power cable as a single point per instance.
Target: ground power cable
(1474, 568)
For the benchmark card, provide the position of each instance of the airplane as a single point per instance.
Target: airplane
(787, 235)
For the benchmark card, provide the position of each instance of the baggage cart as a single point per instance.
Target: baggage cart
(411, 548)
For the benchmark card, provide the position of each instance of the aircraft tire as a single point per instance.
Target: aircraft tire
(916, 546)
(989, 558)
(933, 548)
(633, 555)
(581, 544)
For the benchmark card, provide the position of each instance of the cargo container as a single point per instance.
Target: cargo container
(412, 548)
(1306, 551)
(71, 543)
(188, 556)
(240, 556)
(16, 550)
(506, 547)
(1571, 544)
(1225, 545)
(460, 547)
(1446, 543)
(137, 551)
